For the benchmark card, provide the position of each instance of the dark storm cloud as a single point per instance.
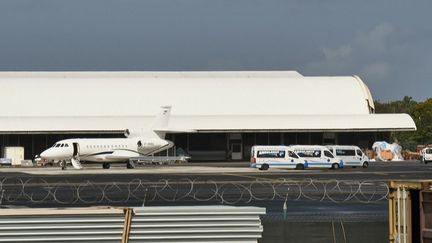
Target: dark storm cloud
(387, 43)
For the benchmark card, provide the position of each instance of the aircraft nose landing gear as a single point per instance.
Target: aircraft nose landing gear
(106, 165)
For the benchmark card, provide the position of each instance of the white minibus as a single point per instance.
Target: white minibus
(264, 157)
(351, 155)
(318, 156)
(426, 155)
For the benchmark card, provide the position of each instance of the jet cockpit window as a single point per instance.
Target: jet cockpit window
(62, 145)
(66, 145)
(58, 145)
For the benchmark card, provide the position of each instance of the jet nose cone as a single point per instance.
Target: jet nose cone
(45, 154)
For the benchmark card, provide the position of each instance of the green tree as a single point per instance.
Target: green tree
(400, 106)
(422, 115)
(408, 140)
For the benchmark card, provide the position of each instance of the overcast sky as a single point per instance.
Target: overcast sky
(387, 43)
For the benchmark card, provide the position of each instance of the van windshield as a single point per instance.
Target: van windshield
(328, 154)
(291, 154)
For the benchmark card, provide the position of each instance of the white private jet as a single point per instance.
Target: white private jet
(112, 150)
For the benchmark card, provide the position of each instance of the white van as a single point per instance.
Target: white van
(351, 155)
(264, 157)
(318, 156)
(426, 155)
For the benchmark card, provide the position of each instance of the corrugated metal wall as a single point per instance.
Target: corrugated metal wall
(196, 224)
(147, 224)
(65, 225)
(410, 211)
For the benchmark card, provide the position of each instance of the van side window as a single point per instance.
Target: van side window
(309, 153)
(345, 152)
(328, 154)
(271, 154)
(359, 152)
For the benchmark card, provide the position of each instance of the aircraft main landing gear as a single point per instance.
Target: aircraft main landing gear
(130, 165)
(63, 165)
(106, 165)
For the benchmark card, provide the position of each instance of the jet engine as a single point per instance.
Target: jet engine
(126, 133)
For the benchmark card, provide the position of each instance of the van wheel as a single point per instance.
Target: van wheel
(335, 166)
(264, 167)
(365, 165)
(299, 167)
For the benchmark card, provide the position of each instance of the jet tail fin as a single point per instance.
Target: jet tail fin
(161, 122)
(157, 127)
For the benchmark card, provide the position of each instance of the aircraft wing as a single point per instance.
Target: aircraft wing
(121, 154)
(174, 130)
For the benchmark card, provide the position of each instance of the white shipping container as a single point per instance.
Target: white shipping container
(16, 154)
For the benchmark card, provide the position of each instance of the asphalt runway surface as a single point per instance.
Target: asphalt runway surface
(381, 171)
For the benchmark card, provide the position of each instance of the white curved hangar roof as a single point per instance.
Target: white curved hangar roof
(231, 99)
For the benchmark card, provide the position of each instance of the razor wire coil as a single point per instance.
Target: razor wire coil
(39, 191)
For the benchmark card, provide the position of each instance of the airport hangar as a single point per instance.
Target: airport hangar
(228, 111)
